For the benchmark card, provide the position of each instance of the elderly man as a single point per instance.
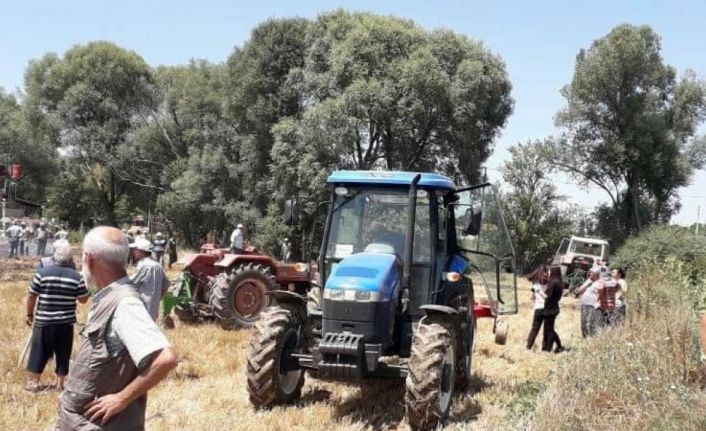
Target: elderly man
(54, 290)
(49, 260)
(122, 353)
(150, 280)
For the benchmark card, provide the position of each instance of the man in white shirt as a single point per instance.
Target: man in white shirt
(237, 240)
(150, 280)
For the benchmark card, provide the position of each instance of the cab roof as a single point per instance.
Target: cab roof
(588, 240)
(385, 178)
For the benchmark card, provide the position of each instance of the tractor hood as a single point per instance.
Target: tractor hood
(378, 274)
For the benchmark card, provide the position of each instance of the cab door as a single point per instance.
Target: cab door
(482, 236)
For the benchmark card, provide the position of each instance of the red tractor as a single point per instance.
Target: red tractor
(230, 288)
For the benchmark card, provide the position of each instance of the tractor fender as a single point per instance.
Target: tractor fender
(287, 297)
(438, 310)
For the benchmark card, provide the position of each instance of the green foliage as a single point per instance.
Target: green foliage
(660, 244)
(94, 96)
(630, 125)
(535, 219)
(17, 141)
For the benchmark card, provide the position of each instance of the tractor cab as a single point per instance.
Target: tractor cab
(408, 262)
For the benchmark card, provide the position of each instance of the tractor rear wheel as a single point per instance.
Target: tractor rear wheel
(272, 375)
(431, 378)
(237, 299)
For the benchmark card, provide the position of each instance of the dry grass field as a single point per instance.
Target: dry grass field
(207, 391)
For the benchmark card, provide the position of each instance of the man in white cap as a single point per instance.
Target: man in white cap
(160, 246)
(150, 280)
(237, 240)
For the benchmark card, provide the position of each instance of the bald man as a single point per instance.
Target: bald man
(122, 353)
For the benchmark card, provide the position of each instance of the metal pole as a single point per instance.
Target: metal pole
(698, 219)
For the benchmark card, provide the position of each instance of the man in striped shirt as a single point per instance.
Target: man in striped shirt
(54, 290)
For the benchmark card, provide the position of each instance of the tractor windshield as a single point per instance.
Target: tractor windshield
(375, 219)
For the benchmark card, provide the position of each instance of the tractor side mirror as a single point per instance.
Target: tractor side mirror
(291, 212)
(471, 221)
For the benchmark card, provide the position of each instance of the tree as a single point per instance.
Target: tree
(19, 145)
(387, 94)
(534, 215)
(97, 94)
(630, 125)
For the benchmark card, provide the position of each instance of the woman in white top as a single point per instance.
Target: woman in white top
(539, 279)
(620, 300)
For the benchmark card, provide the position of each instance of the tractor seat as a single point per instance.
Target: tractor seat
(378, 247)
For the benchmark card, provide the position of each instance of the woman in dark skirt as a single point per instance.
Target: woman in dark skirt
(554, 292)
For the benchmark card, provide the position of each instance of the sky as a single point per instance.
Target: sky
(538, 40)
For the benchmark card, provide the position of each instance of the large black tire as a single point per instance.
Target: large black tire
(275, 335)
(431, 378)
(238, 298)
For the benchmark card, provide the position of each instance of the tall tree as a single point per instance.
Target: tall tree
(18, 144)
(534, 213)
(629, 124)
(98, 93)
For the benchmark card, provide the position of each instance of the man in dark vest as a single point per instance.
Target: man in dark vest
(122, 353)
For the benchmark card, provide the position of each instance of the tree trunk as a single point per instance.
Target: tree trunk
(635, 195)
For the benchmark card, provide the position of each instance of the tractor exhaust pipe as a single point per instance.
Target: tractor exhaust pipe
(409, 238)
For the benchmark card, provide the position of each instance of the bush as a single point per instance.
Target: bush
(659, 244)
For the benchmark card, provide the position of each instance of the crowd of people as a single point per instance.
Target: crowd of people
(603, 303)
(21, 234)
(122, 353)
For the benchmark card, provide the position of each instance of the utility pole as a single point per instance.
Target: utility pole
(698, 219)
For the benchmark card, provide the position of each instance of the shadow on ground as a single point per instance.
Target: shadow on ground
(378, 404)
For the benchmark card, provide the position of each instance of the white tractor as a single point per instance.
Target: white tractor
(576, 255)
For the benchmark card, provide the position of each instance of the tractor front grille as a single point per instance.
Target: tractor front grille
(341, 356)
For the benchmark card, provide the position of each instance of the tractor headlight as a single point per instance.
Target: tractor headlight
(334, 294)
(301, 267)
(351, 295)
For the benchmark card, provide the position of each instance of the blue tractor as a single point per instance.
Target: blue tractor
(400, 256)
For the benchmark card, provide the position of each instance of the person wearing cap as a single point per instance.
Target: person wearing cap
(237, 240)
(13, 234)
(286, 250)
(150, 280)
(589, 302)
(62, 233)
(42, 236)
(160, 246)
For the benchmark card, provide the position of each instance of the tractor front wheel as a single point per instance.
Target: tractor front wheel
(237, 299)
(273, 375)
(431, 378)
